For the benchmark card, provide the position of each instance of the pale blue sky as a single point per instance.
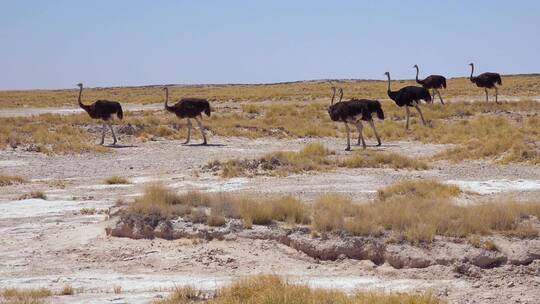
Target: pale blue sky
(56, 44)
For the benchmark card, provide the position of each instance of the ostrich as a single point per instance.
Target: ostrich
(487, 81)
(354, 111)
(189, 108)
(409, 96)
(434, 82)
(102, 109)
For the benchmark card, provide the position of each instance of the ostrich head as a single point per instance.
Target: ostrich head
(79, 85)
(387, 74)
(415, 66)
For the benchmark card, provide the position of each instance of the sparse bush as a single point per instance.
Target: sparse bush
(67, 291)
(24, 296)
(416, 211)
(116, 180)
(7, 180)
(264, 289)
(376, 159)
(88, 211)
(34, 194)
(419, 189)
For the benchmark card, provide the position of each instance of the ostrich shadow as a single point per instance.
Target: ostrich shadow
(117, 146)
(203, 145)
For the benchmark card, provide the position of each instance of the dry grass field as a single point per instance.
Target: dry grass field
(513, 85)
(442, 213)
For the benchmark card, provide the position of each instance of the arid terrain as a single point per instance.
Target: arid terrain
(64, 222)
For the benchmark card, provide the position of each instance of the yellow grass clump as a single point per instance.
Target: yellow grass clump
(415, 211)
(116, 180)
(419, 189)
(24, 296)
(266, 289)
(7, 180)
(313, 157)
(375, 159)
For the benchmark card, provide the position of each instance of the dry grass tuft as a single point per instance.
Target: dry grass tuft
(162, 201)
(374, 159)
(33, 194)
(117, 289)
(116, 180)
(68, 290)
(313, 157)
(421, 218)
(415, 211)
(7, 180)
(266, 289)
(419, 189)
(24, 296)
(88, 211)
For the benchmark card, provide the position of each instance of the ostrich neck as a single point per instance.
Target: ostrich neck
(79, 99)
(333, 95)
(417, 71)
(388, 75)
(472, 71)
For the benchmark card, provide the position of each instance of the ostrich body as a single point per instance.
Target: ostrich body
(104, 110)
(354, 111)
(409, 96)
(487, 81)
(189, 108)
(432, 82)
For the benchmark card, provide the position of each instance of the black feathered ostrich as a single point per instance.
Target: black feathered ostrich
(487, 81)
(354, 111)
(409, 96)
(104, 110)
(189, 108)
(432, 82)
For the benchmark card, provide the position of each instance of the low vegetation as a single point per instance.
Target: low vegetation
(116, 180)
(34, 194)
(24, 296)
(415, 211)
(266, 289)
(477, 130)
(67, 290)
(313, 157)
(518, 85)
(7, 180)
(213, 209)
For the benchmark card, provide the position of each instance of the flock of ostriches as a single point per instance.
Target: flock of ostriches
(352, 111)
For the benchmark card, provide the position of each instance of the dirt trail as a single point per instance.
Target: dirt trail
(51, 244)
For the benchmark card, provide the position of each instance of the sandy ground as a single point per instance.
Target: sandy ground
(48, 243)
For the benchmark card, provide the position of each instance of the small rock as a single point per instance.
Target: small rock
(511, 284)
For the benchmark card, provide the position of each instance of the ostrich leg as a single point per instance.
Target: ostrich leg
(372, 124)
(188, 131)
(487, 99)
(348, 137)
(359, 128)
(497, 95)
(407, 114)
(202, 130)
(103, 134)
(440, 97)
(112, 130)
(420, 112)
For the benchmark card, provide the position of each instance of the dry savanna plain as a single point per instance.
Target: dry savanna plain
(273, 209)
